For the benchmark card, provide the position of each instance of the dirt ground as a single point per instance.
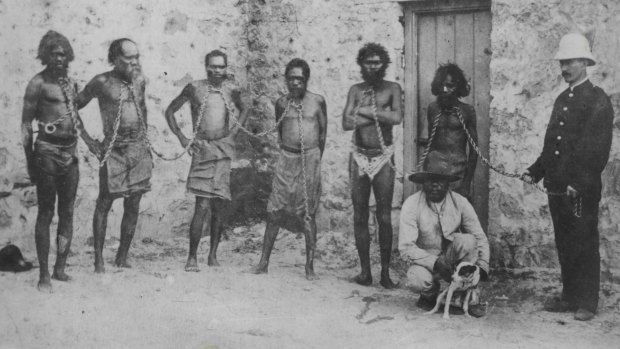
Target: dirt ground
(158, 305)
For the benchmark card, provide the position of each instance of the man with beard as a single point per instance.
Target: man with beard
(126, 162)
(373, 108)
(575, 152)
(212, 148)
(296, 188)
(449, 140)
(52, 163)
(438, 230)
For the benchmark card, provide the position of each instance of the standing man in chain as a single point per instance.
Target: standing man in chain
(575, 152)
(126, 161)
(212, 148)
(373, 107)
(52, 163)
(448, 140)
(296, 189)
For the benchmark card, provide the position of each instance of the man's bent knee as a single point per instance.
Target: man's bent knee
(419, 279)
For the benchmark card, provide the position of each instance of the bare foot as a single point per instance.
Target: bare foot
(45, 284)
(122, 263)
(386, 282)
(259, 269)
(310, 275)
(60, 275)
(192, 265)
(363, 279)
(99, 268)
(212, 262)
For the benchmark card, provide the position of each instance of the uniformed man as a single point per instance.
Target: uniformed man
(575, 151)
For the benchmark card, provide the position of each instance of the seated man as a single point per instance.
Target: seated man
(438, 230)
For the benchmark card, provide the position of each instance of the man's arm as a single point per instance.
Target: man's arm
(31, 101)
(242, 102)
(592, 150)
(322, 124)
(408, 236)
(173, 107)
(350, 112)
(82, 99)
(392, 115)
(471, 225)
(279, 110)
(143, 111)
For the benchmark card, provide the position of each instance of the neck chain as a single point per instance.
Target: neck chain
(51, 127)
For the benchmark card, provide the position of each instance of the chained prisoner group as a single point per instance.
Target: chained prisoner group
(438, 226)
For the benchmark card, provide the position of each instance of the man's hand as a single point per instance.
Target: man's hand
(32, 172)
(442, 268)
(96, 147)
(572, 192)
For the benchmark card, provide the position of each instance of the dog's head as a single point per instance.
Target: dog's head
(467, 274)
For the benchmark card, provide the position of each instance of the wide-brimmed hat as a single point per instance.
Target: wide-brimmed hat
(575, 45)
(435, 168)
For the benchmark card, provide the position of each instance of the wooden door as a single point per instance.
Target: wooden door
(438, 32)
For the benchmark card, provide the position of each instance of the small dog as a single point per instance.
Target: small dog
(465, 278)
(11, 259)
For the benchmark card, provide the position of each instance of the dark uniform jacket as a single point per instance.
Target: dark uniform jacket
(577, 141)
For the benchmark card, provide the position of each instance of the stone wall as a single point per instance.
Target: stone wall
(524, 84)
(259, 37)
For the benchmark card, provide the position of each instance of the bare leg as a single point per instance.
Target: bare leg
(217, 225)
(46, 195)
(67, 188)
(310, 233)
(383, 187)
(360, 194)
(202, 218)
(271, 233)
(131, 211)
(100, 219)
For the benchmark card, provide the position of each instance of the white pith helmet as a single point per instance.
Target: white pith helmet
(574, 45)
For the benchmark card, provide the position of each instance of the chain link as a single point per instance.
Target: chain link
(50, 127)
(429, 143)
(300, 108)
(384, 148)
(117, 123)
(577, 209)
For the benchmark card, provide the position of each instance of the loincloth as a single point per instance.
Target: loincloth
(209, 173)
(287, 192)
(55, 159)
(371, 161)
(129, 166)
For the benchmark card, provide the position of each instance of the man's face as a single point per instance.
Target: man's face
(57, 59)
(128, 62)
(296, 82)
(573, 70)
(435, 189)
(216, 69)
(373, 69)
(449, 86)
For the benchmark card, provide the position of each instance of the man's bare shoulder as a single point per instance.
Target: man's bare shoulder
(281, 102)
(36, 81)
(100, 79)
(314, 97)
(392, 85)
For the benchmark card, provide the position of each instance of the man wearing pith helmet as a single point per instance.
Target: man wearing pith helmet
(438, 230)
(575, 151)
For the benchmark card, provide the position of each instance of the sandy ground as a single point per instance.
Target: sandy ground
(158, 305)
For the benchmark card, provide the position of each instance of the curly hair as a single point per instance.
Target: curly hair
(462, 86)
(373, 49)
(298, 63)
(49, 41)
(116, 49)
(216, 53)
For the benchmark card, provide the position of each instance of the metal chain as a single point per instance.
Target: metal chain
(300, 109)
(576, 205)
(50, 127)
(117, 123)
(384, 148)
(430, 142)
(260, 134)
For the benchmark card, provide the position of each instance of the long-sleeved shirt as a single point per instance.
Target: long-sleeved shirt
(577, 141)
(422, 228)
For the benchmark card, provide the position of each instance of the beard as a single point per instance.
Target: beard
(373, 78)
(297, 92)
(215, 79)
(447, 101)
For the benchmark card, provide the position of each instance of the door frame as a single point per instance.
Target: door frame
(412, 10)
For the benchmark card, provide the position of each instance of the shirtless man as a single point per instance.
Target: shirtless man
(212, 148)
(52, 163)
(126, 161)
(373, 105)
(449, 143)
(296, 189)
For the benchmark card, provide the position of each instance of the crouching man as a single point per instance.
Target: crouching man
(438, 230)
